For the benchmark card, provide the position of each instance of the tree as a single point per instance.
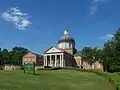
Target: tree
(0, 57)
(16, 55)
(86, 54)
(111, 53)
(90, 54)
(5, 57)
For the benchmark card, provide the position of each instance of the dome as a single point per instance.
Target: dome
(66, 41)
(66, 38)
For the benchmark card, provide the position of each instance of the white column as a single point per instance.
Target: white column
(46, 60)
(55, 60)
(60, 61)
(50, 61)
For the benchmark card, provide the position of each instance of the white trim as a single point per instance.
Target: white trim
(53, 50)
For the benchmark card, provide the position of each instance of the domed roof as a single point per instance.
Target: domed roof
(66, 37)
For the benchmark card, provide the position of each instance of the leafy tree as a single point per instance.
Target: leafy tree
(111, 53)
(90, 54)
(0, 57)
(5, 57)
(16, 55)
(13, 57)
(20, 49)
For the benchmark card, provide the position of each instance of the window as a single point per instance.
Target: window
(93, 66)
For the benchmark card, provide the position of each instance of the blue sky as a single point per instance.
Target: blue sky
(39, 24)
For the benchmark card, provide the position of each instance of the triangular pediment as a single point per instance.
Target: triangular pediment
(29, 54)
(53, 50)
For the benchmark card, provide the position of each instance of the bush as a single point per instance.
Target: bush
(114, 68)
(22, 67)
(1, 67)
(117, 73)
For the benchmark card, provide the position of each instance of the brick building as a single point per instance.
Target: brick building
(66, 55)
(31, 57)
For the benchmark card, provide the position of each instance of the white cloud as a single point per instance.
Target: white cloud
(95, 1)
(93, 10)
(95, 5)
(98, 1)
(107, 37)
(18, 18)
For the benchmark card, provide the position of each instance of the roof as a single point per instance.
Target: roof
(53, 50)
(38, 55)
(66, 38)
(77, 54)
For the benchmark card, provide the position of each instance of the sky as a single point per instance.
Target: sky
(39, 24)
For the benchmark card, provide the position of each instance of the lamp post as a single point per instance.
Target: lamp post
(34, 68)
(93, 59)
(24, 68)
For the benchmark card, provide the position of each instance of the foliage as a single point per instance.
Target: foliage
(91, 54)
(5, 57)
(0, 57)
(13, 57)
(115, 68)
(109, 55)
(17, 53)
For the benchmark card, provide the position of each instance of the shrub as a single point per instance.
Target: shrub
(1, 67)
(115, 68)
(22, 67)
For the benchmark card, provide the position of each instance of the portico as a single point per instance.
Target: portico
(54, 58)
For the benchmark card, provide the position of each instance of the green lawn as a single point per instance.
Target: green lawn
(53, 80)
(116, 78)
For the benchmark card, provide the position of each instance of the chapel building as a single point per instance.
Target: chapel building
(66, 55)
(63, 54)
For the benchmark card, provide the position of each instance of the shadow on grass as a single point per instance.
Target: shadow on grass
(49, 68)
(31, 73)
(37, 74)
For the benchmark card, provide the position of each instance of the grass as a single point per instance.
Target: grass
(116, 78)
(53, 80)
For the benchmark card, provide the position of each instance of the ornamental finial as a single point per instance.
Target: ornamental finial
(66, 31)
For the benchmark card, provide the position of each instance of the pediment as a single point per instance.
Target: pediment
(53, 50)
(29, 54)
